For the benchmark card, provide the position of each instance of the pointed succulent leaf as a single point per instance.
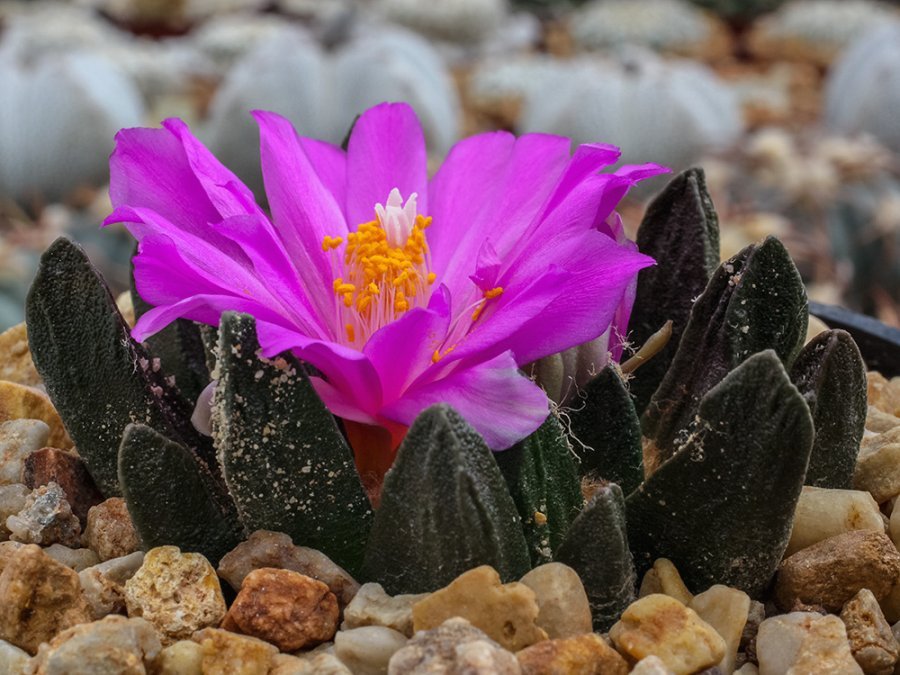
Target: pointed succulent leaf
(179, 348)
(831, 376)
(98, 377)
(755, 301)
(721, 508)
(680, 230)
(878, 343)
(287, 466)
(608, 432)
(172, 499)
(596, 546)
(542, 479)
(445, 509)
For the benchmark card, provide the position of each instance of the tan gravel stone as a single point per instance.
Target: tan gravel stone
(110, 531)
(879, 421)
(40, 598)
(275, 549)
(660, 625)
(651, 665)
(834, 570)
(878, 472)
(112, 645)
(15, 357)
(726, 610)
(77, 558)
(371, 606)
(227, 652)
(884, 394)
(670, 582)
(367, 650)
(313, 664)
(184, 657)
(506, 612)
(18, 402)
(12, 500)
(46, 519)
(177, 592)
(456, 647)
(288, 609)
(872, 642)
(18, 439)
(103, 585)
(564, 609)
(804, 643)
(586, 654)
(822, 513)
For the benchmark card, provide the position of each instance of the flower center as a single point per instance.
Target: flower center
(385, 268)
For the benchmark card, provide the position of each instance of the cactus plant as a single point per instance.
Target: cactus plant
(863, 91)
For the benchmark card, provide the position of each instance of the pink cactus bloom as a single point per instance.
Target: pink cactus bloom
(401, 291)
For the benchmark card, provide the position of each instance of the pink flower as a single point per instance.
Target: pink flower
(400, 290)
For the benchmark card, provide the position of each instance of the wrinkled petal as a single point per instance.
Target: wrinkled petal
(503, 405)
(386, 151)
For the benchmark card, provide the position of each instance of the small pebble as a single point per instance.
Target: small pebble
(18, 439)
(563, 606)
(110, 531)
(834, 570)
(586, 654)
(45, 519)
(40, 598)
(878, 472)
(506, 612)
(664, 578)
(725, 609)
(177, 592)
(804, 643)
(872, 642)
(68, 470)
(455, 647)
(660, 625)
(12, 659)
(112, 645)
(227, 652)
(18, 402)
(288, 609)
(651, 665)
(103, 585)
(883, 393)
(15, 357)
(184, 657)
(822, 513)
(371, 606)
(12, 500)
(321, 663)
(77, 558)
(275, 549)
(367, 650)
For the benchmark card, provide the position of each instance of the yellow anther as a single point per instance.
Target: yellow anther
(329, 243)
(477, 311)
(373, 289)
(436, 356)
(493, 293)
(351, 333)
(348, 299)
(342, 289)
(431, 277)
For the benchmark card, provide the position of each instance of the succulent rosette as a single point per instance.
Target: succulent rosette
(401, 291)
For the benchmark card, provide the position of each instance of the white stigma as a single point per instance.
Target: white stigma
(397, 218)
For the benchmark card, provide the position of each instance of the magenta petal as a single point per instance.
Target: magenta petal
(487, 267)
(503, 405)
(386, 151)
(402, 350)
(490, 185)
(303, 210)
(330, 163)
(587, 160)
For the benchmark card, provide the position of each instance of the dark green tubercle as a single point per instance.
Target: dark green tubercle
(97, 376)
(755, 301)
(831, 376)
(607, 432)
(179, 349)
(596, 547)
(542, 479)
(721, 508)
(172, 500)
(286, 463)
(445, 509)
(680, 230)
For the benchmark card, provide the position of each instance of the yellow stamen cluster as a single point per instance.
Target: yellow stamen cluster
(488, 295)
(381, 281)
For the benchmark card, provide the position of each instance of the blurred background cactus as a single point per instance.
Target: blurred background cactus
(749, 90)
